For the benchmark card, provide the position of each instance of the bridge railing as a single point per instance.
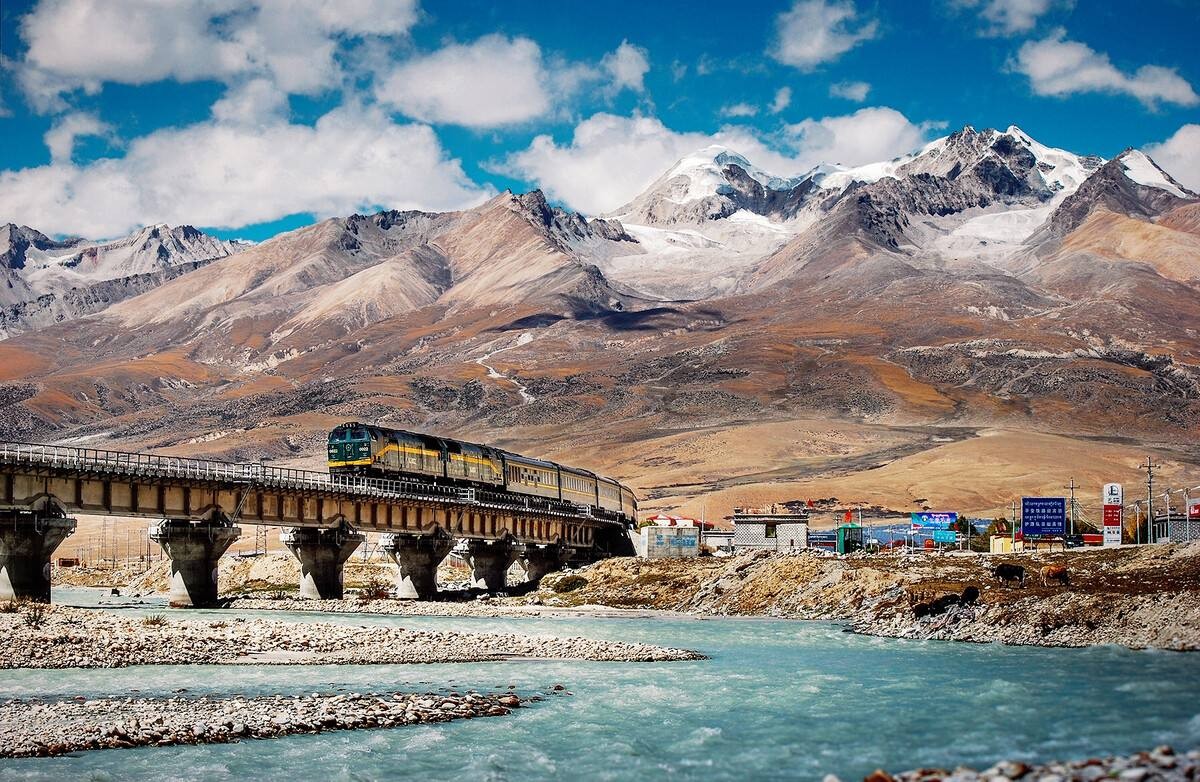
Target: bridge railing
(144, 465)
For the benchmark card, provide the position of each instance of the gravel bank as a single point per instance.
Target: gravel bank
(1142, 597)
(1159, 765)
(79, 638)
(40, 729)
(491, 607)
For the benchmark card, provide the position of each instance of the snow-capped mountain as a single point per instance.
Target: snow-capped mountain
(47, 281)
(715, 223)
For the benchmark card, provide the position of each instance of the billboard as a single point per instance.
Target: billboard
(1193, 508)
(934, 520)
(1113, 494)
(945, 536)
(1044, 515)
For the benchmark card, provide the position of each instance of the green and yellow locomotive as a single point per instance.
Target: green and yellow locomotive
(363, 449)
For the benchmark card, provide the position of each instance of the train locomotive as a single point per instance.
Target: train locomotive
(374, 451)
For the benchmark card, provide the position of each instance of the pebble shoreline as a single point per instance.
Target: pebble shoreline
(31, 728)
(1159, 765)
(79, 638)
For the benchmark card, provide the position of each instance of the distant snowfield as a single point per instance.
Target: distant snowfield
(1142, 170)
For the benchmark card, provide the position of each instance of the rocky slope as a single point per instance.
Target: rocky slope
(1144, 597)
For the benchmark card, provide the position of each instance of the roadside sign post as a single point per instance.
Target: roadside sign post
(1113, 499)
(1043, 517)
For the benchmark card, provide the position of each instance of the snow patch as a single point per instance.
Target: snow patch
(1142, 170)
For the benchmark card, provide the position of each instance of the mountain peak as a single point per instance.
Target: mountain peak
(1141, 168)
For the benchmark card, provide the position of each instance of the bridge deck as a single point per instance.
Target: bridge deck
(104, 482)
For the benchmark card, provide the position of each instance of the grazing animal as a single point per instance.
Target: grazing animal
(937, 606)
(1056, 573)
(1007, 572)
(970, 596)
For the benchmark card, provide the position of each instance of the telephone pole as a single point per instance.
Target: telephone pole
(1072, 487)
(1014, 526)
(1150, 467)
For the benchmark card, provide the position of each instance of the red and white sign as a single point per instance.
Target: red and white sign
(1193, 508)
(1112, 525)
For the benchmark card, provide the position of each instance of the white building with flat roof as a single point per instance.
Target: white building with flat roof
(774, 528)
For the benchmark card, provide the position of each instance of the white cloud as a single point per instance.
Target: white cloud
(1010, 17)
(850, 90)
(60, 139)
(1056, 66)
(1179, 156)
(233, 174)
(256, 101)
(783, 99)
(627, 66)
(817, 31)
(493, 81)
(496, 81)
(739, 110)
(81, 44)
(869, 135)
(610, 159)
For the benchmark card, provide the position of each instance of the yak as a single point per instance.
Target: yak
(1055, 573)
(1007, 572)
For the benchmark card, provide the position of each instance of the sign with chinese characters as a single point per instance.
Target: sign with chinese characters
(945, 536)
(1193, 508)
(1113, 494)
(934, 520)
(1044, 515)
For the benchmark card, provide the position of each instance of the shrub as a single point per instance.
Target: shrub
(35, 614)
(569, 583)
(154, 620)
(11, 607)
(374, 589)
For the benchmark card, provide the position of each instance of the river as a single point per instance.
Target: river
(778, 700)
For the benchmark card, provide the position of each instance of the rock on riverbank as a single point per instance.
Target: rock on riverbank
(77, 638)
(30, 728)
(1160, 765)
(1147, 596)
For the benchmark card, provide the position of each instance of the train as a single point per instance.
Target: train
(374, 451)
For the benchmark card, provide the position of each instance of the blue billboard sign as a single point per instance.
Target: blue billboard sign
(945, 536)
(934, 520)
(1044, 515)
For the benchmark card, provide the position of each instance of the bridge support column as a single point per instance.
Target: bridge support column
(490, 561)
(417, 557)
(540, 560)
(27, 541)
(322, 553)
(194, 550)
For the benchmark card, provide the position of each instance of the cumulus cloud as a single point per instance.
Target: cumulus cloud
(1057, 66)
(850, 90)
(496, 81)
(224, 174)
(627, 66)
(783, 99)
(868, 135)
(256, 101)
(610, 158)
(815, 31)
(1010, 17)
(81, 44)
(60, 139)
(739, 110)
(490, 82)
(1179, 156)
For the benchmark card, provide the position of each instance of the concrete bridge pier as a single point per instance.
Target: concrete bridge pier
(542, 559)
(322, 554)
(27, 541)
(417, 557)
(490, 561)
(194, 549)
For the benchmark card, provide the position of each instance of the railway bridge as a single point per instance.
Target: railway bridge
(198, 505)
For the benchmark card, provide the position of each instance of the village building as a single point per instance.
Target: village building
(774, 528)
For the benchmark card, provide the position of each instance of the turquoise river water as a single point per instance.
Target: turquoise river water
(778, 700)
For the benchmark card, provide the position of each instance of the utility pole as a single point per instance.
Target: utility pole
(1072, 487)
(1150, 467)
(1014, 526)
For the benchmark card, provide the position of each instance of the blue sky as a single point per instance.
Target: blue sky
(250, 118)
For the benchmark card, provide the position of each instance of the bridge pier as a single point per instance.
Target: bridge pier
(490, 561)
(417, 557)
(322, 554)
(194, 549)
(540, 560)
(27, 541)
